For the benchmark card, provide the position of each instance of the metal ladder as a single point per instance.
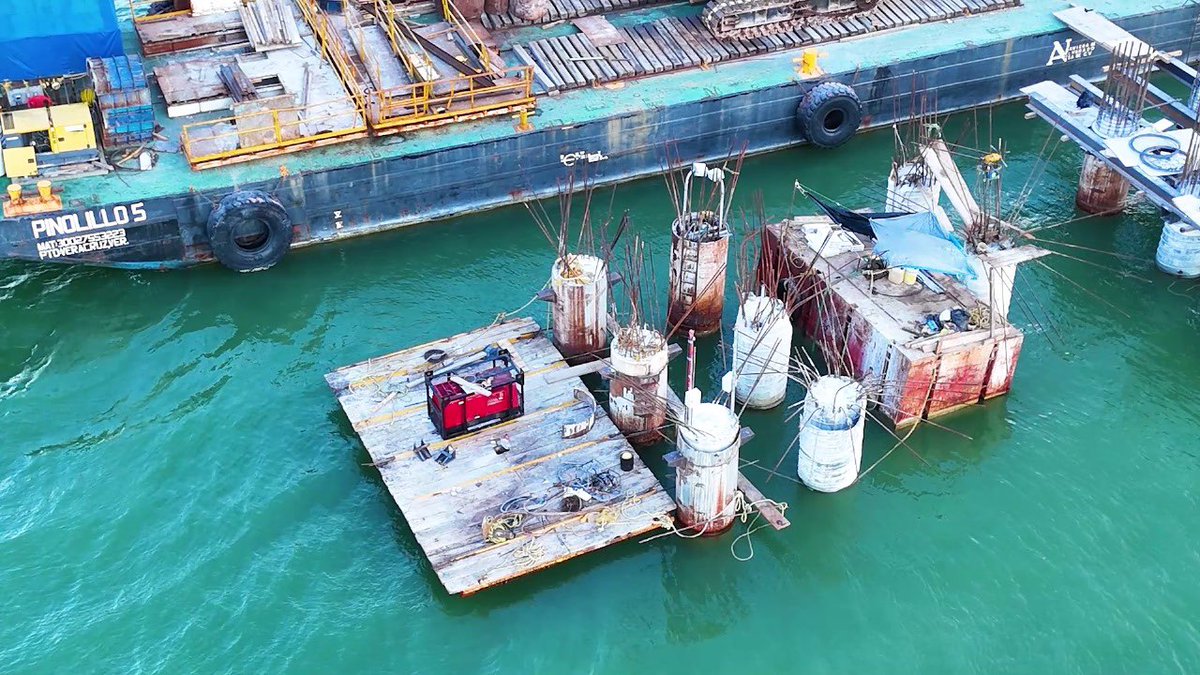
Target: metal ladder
(689, 256)
(689, 270)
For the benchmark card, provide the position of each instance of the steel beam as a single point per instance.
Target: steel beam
(1156, 189)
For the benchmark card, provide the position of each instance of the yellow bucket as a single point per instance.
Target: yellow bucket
(14, 193)
(44, 189)
(910, 277)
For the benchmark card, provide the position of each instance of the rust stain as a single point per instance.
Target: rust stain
(644, 425)
(926, 387)
(701, 312)
(692, 524)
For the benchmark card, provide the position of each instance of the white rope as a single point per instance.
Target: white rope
(740, 509)
(503, 316)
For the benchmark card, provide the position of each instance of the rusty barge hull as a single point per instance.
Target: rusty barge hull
(871, 336)
(608, 136)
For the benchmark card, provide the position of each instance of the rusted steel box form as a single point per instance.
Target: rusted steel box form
(874, 336)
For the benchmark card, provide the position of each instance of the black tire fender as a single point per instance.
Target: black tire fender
(239, 210)
(829, 114)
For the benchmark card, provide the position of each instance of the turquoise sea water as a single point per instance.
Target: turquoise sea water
(179, 491)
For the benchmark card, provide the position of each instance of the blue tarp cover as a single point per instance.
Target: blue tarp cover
(47, 38)
(918, 241)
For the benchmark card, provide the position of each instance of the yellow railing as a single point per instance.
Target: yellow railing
(457, 20)
(465, 97)
(370, 62)
(140, 11)
(397, 31)
(254, 133)
(333, 48)
(426, 102)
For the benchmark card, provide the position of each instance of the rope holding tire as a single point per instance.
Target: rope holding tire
(829, 114)
(249, 231)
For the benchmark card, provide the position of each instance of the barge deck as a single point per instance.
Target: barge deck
(449, 506)
(607, 126)
(682, 42)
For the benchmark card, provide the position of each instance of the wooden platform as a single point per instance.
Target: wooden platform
(675, 43)
(182, 33)
(445, 507)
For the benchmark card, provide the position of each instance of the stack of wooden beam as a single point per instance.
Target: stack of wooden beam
(270, 24)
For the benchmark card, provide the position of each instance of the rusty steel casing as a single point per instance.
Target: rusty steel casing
(1102, 191)
(637, 397)
(699, 260)
(706, 478)
(579, 308)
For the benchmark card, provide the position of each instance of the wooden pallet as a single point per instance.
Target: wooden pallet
(675, 43)
(183, 33)
(445, 507)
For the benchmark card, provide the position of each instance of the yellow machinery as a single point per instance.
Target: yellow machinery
(36, 138)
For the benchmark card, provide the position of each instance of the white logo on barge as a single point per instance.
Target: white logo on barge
(75, 235)
(580, 156)
(99, 219)
(1065, 51)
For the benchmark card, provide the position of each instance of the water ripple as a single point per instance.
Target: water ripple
(31, 368)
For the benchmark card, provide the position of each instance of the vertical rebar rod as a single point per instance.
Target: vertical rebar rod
(1124, 98)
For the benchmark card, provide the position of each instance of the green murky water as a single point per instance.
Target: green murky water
(179, 492)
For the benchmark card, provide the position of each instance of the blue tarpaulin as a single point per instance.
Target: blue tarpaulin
(917, 241)
(47, 39)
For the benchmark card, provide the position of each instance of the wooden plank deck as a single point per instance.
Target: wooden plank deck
(384, 399)
(190, 32)
(675, 43)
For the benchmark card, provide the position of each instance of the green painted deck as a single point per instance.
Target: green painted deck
(172, 175)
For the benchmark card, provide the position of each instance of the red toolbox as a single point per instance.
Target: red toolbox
(462, 399)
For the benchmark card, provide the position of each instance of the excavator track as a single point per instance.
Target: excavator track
(745, 19)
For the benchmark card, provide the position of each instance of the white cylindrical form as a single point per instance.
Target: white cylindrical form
(579, 309)
(699, 258)
(1179, 250)
(637, 397)
(831, 433)
(992, 286)
(762, 342)
(706, 479)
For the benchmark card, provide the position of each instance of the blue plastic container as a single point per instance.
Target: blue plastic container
(123, 97)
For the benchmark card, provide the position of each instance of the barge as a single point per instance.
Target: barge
(350, 134)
